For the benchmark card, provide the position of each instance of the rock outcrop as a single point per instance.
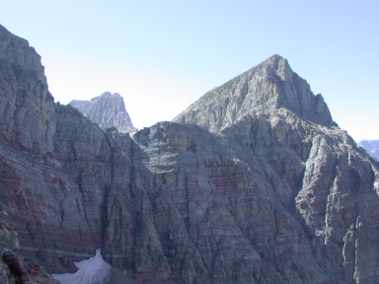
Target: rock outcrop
(27, 110)
(107, 110)
(372, 147)
(254, 183)
(13, 268)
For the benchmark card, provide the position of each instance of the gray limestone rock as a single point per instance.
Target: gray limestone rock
(27, 110)
(107, 110)
(254, 183)
(261, 90)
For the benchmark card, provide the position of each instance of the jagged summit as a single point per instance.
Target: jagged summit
(274, 198)
(108, 95)
(278, 65)
(107, 110)
(265, 88)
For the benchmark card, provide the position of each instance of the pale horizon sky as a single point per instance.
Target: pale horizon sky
(163, 55)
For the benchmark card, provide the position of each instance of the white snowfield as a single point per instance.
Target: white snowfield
(90, 271)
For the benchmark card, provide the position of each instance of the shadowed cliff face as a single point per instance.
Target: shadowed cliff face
(27, 110)
(264, 189)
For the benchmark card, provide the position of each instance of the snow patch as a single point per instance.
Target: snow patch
(90, 271)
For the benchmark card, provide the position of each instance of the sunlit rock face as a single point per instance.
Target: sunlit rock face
(253, 183)
(372, 147)
(262, 90)
(107, 110)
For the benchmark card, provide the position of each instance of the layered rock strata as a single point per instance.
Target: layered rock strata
(254, 183)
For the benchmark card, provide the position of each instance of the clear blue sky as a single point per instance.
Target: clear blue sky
(162, 55)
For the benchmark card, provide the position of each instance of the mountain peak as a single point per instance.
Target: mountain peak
(107, 110)
(279, 65)
(265, 88)
(372, 147)
(109, 97)
(275, 59)
(108, 94)
(272, 200)
(16, 51)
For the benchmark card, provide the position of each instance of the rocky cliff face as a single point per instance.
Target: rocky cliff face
(27, 110)
(257, 184)
(263, 89)
(107, 110)
(372, 147)
(13, 268)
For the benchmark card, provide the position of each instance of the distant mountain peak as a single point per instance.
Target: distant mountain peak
(108, 94)
(265, 88)
(107, 110)
(110, 97)
(273, 196)
(371, 147)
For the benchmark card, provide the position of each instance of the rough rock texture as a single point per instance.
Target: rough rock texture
(14, 269)
(264, 189)
(372, 147)
(107, 110)
(261, 90)
(26, 106)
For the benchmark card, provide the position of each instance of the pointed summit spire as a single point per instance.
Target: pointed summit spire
(279, 65)
(265, 88)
